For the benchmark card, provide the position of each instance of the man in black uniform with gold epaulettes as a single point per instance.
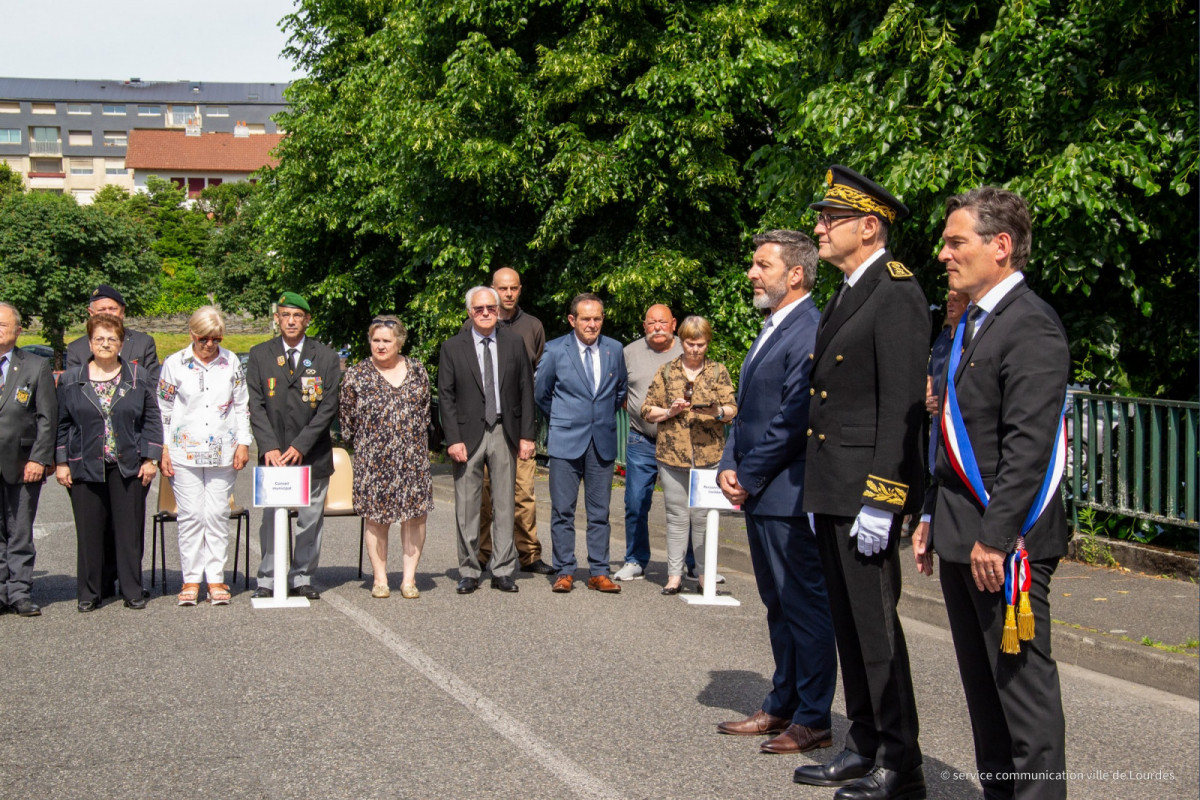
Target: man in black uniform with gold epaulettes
(865, 472)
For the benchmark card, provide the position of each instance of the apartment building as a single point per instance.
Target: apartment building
(72, 136)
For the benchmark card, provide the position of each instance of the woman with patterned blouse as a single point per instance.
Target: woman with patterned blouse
(384, 408)
(109, 436)
(691, 399)
(206, 418)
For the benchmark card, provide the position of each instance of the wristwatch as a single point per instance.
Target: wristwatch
(720, 413)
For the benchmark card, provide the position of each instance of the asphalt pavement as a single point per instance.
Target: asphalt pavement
(532, 694)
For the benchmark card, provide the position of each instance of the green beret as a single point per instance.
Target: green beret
(293, 300)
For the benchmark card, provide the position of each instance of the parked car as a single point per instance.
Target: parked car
(43, 350)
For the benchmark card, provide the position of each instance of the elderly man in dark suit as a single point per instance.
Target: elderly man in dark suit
(293, 382)
(1003, 393)
(580, 384)
(139, 348)
(762, 470)
(485, 398)
(28, 420)
(865, 472)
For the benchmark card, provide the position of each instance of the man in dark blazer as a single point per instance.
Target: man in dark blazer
(293, 383)
(762, 469)
(485, 398)
(139, 348)
(865, 472)
(1010, 383)
(580, 384)
(28, 423)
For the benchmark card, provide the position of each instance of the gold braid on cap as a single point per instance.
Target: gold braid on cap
(860, 202)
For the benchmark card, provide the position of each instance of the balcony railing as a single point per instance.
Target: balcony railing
(180, 119)
(45, 148)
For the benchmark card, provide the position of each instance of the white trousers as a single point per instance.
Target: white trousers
(680, 519)
(202, 499)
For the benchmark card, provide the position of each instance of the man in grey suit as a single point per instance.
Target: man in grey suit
(293, 383)
(139, 349)
(485, 397)
(28, 420)
(581, 382)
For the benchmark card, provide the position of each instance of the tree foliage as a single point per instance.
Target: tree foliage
(53, 252)
(1087, 109)
(236, 265)
(591, 145)
(630, 147)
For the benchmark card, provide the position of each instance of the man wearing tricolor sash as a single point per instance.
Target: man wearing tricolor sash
(994, 514)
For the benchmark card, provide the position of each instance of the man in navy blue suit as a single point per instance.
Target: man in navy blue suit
(580, 384)
(762, 470)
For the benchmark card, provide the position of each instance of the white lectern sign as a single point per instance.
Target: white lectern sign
(281, 488)
(703, 492)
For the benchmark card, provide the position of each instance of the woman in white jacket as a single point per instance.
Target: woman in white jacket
(206, 430)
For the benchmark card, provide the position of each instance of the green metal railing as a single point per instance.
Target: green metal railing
(1135, 457)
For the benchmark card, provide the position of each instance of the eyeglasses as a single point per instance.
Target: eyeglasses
(208, 339)
(481, 310)
(829, 220)
(101, 340)
(387, 323)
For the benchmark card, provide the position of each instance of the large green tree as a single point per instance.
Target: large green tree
(1088, 109)
(591, 145)
(237, 266)
(53, 252)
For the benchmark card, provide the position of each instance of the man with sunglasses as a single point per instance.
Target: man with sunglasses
(293, 383)
(485, 398)
(865, 473)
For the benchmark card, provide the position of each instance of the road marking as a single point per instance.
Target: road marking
(554, 761)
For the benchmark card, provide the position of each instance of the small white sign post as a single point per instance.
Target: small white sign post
(281, 488)
(703, 492)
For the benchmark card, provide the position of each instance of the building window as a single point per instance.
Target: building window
(10, 107)
(216, 111)
(195, 186)
(10, 135)
(114, 166)
(79, 108)
(46, 166)
(256, 127)
(180, 183)
(81, 166)
(214, 181)
(116, 139)
(44, 108)
(44, 142)
(79, 138)
(148, 111)
(114, 110)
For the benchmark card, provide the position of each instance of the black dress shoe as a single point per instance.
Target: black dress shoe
(263, 591)
(504, 584)
(538, 567)
(88, 605)
(467, 585)
(137, 603)
(27, 608)
(885, 784)
(669, 590)
(845, 768)
(305, 590)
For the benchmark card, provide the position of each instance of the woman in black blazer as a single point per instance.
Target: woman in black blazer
(109, 436)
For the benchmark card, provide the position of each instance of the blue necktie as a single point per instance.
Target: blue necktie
(588, 370)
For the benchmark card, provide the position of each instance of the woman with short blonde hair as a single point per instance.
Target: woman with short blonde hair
(206, 423)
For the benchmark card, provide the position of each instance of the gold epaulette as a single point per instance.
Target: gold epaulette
(898, 271)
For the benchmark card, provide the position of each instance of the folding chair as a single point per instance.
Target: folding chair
(339, 500)
(169, 512)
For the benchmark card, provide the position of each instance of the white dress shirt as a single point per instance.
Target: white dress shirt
(595, 360)
(205, 408)
(495, 361)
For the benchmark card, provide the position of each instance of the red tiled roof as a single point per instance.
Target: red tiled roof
(208, 152)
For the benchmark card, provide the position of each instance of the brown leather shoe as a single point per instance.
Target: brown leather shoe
(603, 583)
(563, 584)
(798, 739)
(759, 723)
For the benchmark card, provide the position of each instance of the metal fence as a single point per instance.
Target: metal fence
(1135, 457)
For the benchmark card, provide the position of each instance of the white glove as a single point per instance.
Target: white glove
(812, 523)
(871, 526)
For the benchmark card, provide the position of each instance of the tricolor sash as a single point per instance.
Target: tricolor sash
(962, 459)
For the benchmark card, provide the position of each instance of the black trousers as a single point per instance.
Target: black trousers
(118, 502)
(876, 679)
(1014, 700)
